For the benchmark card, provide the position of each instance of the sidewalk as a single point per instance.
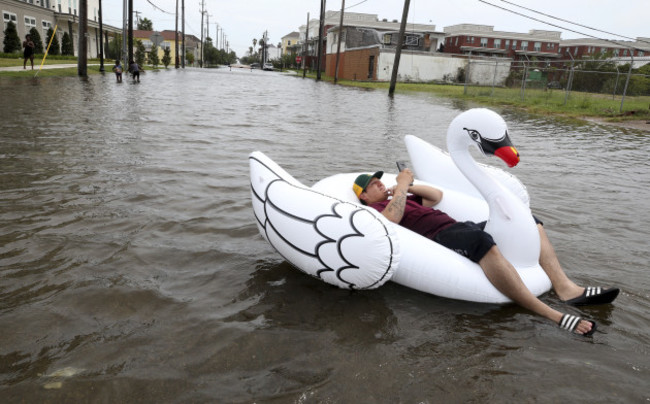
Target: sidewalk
(36, 67)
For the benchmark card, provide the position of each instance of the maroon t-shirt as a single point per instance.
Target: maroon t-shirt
(422, 220)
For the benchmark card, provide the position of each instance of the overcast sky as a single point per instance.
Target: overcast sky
(243, 20)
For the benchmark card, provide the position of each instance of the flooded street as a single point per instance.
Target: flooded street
(132, 270)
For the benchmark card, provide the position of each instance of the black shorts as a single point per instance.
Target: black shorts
(468, 239)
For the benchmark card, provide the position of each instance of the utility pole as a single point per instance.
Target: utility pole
(320, 37)
(130, 47)
(82, 49)
(101, 40)
(202, 15)
(125, 30)
(304, 58)
(183, 33)
(176, 59)
(338, 47)
(398, 50)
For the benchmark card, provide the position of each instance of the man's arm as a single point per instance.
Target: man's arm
(430, 196)
(394, 211)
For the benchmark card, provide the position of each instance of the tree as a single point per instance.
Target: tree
(140, 52)
(55, 49)
(11, 42)
(154, 60)
(36, 38)
(66, 45)
(114, 50)
(166, 59)
(145, 24)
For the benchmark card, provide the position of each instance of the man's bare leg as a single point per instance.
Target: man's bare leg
(564, 287)
(505, 278)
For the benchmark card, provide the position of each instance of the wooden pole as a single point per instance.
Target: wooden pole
(176, 57)
(304, 57)
(320, 37)
(398, 50)
(101, 40)
(82, 43)
(338, 47)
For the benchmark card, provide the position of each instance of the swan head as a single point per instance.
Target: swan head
(485, 129)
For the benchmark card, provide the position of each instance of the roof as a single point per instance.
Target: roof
(168, 35)
(294, 34)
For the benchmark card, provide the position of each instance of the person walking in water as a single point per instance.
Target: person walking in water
(118, 71)
(28, 52)
(134, 68)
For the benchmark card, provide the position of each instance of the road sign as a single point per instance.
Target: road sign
(156, 38)
(298, 59)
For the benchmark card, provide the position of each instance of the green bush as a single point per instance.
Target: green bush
(11, 42)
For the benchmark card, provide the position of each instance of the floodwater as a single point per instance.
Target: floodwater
(132, 270)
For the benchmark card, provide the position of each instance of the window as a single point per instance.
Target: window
(507, 43)
(514, 44)
(484, 42)
(497, 43)
(616, 51)
(524, 45)
(46, 25)
(640, 53)
(289, 42)
(30, 22)
(456, 41)
(7, 16)
(387, 39)
(538, 46)
(411, 40)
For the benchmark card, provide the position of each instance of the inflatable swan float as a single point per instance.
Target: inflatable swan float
(324, 231)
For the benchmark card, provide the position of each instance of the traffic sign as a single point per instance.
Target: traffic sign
(156, 38)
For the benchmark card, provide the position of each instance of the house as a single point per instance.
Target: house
(192, 43)
(45, 14)
(289, 41)
(483, 40)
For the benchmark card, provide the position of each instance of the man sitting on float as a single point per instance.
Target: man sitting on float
(415, 212)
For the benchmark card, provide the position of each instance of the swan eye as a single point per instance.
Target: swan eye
(473, 134)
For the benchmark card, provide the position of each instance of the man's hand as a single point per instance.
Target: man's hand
(405, 177)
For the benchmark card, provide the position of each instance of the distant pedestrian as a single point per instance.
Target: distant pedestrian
(118, 71)
(134, 68)
(28, 53)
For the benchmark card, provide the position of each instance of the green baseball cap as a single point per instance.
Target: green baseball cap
(362, 181)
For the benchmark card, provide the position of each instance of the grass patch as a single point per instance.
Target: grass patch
(534, 100)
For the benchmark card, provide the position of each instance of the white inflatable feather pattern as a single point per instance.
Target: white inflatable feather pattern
(339, 242)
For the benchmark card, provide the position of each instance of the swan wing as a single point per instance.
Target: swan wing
(341, 243)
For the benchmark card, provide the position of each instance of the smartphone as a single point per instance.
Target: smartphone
(401, 165)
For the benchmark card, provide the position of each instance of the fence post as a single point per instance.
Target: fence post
(629, 73)
(616, 84)
(523, 82)
(469, 61)
(569, 81)
(494, 79)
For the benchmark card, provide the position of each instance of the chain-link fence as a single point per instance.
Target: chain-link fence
(562, 82)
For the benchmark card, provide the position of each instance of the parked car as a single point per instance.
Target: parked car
(255, 65)
(268, 66)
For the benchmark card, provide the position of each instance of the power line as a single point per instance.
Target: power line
(158, 8)
(574, 23)
(559, 26)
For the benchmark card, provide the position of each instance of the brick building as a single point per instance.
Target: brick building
(483, 40)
